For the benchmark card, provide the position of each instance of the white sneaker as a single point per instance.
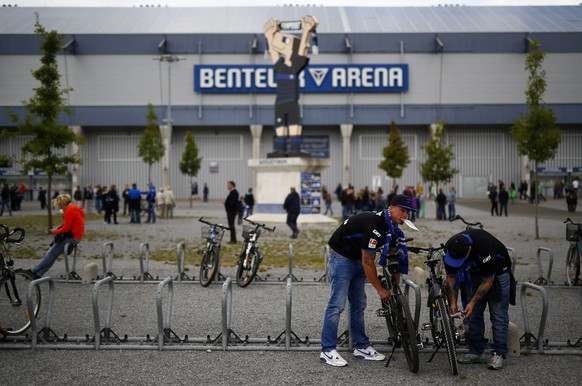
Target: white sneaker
(369, 354)
(332, 358)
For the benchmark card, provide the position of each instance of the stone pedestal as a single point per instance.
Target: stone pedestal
(275, 177)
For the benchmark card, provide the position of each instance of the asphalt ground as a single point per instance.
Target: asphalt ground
(259, 312)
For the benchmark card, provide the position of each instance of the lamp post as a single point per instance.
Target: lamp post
(166, 130)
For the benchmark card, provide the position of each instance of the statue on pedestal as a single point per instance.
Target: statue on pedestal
(289, 56)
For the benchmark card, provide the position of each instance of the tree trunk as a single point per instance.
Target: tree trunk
(49, 204)
(191, 188)
(536, 199)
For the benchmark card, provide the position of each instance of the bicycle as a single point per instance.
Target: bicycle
(211, 259)
(14, 315)
(469, 225)
(250, 257)
(574, 236)
(441, 323)
(401, 327)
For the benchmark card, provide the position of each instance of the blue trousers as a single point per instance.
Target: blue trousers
(51, 256)
(348, 281)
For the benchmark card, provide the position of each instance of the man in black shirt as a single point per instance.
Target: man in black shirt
(476, 259)
(231, 207)
(353, 249)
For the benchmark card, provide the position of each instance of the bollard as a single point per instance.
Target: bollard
(95, 302)
(107, 258)
(164, 326)
(90, 272)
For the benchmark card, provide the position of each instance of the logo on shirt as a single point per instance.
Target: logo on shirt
(372, 243)
(376, 232)
(487, 259)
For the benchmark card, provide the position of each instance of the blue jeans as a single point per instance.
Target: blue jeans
(151, 213)
(292, 221)
(51, 256)
(348, 281)
(452, 211)
(498, 301)
(6, 204)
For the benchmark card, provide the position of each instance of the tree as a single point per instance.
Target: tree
(151, 147)
(535, 132)
(190, 163)
(46, 150)
(437, 167)
(395, 154)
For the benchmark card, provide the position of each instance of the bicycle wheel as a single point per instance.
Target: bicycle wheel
(208, 267)
(573, 265)
(447, 334)
(248, 265)
(14, 315)
(406, 327)
(389, 307)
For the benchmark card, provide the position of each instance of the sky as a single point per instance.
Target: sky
(208, 3)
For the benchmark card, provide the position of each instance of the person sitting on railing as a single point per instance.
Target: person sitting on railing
(70, 232)
(479, 261)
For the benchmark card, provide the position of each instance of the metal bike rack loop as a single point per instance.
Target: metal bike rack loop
(290, 274)
(541, 279)
(47, 321)
(144, 262)
(417, 298)
(324, 278)
(226, 311)
(164, 326)
(527, 333)
(181, 258)
(71, 274)
(107, 258)
(95, 302)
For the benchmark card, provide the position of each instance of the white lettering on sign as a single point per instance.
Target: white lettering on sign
(367, 77)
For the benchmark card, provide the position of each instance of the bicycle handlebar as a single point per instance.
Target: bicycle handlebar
(428, 251)
(201, 219)
(260, 225)
(7, 234)
(568, 220)
(469, 224)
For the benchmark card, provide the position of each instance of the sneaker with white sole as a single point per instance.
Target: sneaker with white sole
(332, 358)
(369, 354)
(469, 359)
(496, 362)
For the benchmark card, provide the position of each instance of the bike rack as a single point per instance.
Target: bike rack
(324, 278)
(513, 257)
(528, 336)
(181, 258)
(417, 299)
(107, 258)
(144, 254)
(105, 334)
(290, 274)
(46, 331)
(290, 336)
(541, 279)
(72, 275)
(165, 332)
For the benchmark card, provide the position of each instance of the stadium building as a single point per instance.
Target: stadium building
(205, 70)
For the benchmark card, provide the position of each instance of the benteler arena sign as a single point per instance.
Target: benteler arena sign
(319, 78)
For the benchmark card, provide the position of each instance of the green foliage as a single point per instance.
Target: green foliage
(190, 163)
(395, 154)
(49, 139)
(535, 132)
(151, 147)
(437, 167)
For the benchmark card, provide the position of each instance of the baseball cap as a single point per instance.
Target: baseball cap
(402, 201)
(456, 249)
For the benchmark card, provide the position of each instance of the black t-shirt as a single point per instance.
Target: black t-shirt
(489, 257)
(288, 78)
(366, 231)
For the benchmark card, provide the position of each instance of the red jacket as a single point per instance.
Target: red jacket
(74, 221)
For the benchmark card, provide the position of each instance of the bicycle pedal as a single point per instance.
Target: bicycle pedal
(426, 327)
(382, 312)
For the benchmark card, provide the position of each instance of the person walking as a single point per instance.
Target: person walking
(249, 201)
(480, 262)
(292, 206)
(231, 208)
(441, 201)
(161, 202)
(452, 199)
(112, 204)
(351, 261)
(493, 199)
(503, 200)
(170, 202)
(328, 201)
(205, 192)
(5, 200)
(71, 232)
(42, 197)
(125, 197)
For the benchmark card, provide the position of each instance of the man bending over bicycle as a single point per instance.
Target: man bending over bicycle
(352, 254)
(476, 259)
